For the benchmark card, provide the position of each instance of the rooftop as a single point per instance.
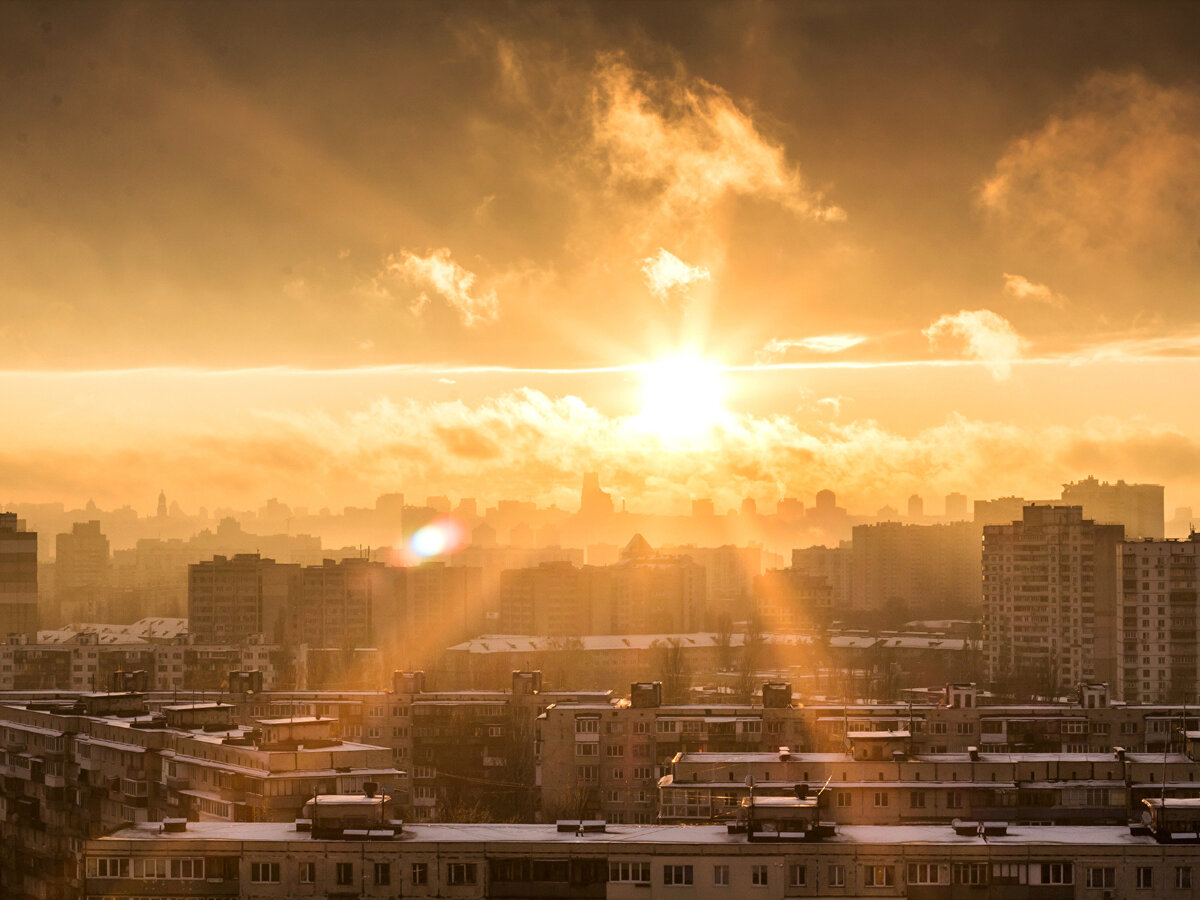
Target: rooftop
(647, 834)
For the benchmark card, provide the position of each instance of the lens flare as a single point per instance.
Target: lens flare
(438, 538)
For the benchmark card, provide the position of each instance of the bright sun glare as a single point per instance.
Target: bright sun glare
(682, 397)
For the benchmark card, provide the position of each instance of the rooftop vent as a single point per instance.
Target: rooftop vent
(174, 826)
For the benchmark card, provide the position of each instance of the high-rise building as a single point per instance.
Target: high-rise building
(1050, 599)
(18, 578)
(550, 599)
(337, 601)
(82, 574)
(835, 564)
(593, 502)
(958, 507)
(916, 508)
(1157, 624)
(930, 569)
(230, 599)
(1139, 507)
(1000, 511)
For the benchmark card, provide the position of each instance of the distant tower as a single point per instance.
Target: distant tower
(957, 507)
(749, 508)
(162, 504)
(826, 500)
(593, 501)
(916, 507)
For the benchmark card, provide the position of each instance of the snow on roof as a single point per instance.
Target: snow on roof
(643, 835)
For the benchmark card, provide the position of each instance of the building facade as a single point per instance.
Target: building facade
(1050, 600)
(1156, 629)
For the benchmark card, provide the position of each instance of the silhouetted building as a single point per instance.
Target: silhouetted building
(593, 502)
(958, 507)
(1139, 507)
(18, 578)
(1000, 511)
(231, 599)
(82, 574)
(917, 569)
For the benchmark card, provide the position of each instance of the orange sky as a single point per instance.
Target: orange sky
(323, 250)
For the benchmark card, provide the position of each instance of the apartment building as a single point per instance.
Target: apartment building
(1137, 507)
(231, 598)
(82, 574)
(878, 781)
(18, 578)
(1156, 629)
(379, 858)
(927, 568)
(1050, 600)
(79, 766)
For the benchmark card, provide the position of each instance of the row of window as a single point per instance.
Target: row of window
(925, 873)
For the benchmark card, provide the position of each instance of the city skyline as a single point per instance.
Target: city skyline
(713, 249)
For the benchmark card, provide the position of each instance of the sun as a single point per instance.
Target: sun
(682, 397)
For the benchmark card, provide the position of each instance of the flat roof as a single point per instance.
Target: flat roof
(537, 835)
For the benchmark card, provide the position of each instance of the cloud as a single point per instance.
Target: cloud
(989, 338)
(685, 146)
(665, 272)
(1114, 172)
(526, 443)
(450, 281)
(777, 348)
(1023, 289)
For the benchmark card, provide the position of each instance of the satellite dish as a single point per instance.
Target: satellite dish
(1146, 817)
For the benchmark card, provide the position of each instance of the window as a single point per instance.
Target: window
(843, 798)
(1008, 873)
(970, 873)
(420, 873)
(1183, 878)
(878, 876)
(837, 876)
(721, 875)
(642, 773)
(954, 799)
(758, 875)
(1101, 876)
(587, 726)
(637, 872)
(383, 873)
(1057, 873)
(460, 873)
(923, 873)
(264, 873)
(1145, 878)
(677, 874)
(587, 749)
(615, 750)
(916, 799)
(881, 798)
(107, 867)
(345, 873)
(797, 875)
(308, 873)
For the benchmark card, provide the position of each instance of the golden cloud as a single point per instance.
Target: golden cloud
(1114, 172)
(436, 271)
(664, 272)
(987, 337)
